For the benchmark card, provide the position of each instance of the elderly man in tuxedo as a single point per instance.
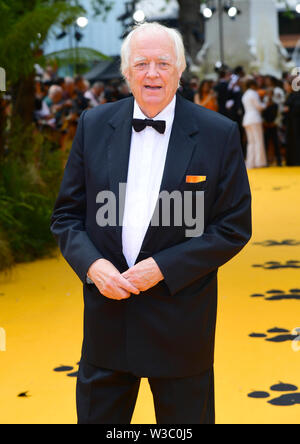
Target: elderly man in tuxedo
(150, 289)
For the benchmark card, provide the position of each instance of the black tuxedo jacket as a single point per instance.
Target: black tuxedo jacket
(168, 330)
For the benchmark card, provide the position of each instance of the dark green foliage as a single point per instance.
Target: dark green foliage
(24, 25)
(31, 163)
(30, 175)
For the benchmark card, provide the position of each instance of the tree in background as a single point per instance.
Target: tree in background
(31, 165)
(24, 26)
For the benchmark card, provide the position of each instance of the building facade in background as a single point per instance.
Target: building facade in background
(101, 35)
(261, 37)
(255, 39)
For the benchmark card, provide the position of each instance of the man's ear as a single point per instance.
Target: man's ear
(126, 76)
(180, 75)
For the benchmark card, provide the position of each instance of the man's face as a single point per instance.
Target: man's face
(152, 73)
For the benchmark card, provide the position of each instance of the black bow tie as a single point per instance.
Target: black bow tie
(140, 124)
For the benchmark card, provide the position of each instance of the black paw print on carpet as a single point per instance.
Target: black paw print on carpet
(274, 265)
(274, 243)
(68, 370)
(278, 295)
(24, 395)
(282, 335)
(287, 399)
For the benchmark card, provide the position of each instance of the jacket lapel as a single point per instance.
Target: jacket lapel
(181, 146)
(179, 154)
(118, 158)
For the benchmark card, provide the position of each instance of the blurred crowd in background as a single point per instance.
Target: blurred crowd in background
(59, 102)
(266, 109)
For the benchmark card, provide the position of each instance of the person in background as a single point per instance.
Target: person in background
(95, 95)
(50, 74)
(206, 96)
(80, 103)
(52, 106)
(235, 93)
(194, 85)
(111, 92)
(269, 115)
(283, 133)
(279, 95)
(221, 89)
(39, 96)
(253, 124)
(261, 86)
(185, 90)
(124, 92)
(69, 88)
(234, 106)
(292, 116)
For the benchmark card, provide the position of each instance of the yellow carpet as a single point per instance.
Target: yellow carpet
(259, 295)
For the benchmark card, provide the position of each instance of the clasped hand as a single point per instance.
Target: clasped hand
(115, 285)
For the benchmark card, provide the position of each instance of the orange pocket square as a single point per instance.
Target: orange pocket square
(195, 179)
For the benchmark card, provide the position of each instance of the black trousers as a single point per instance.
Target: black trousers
(271, 133)
(108, 397)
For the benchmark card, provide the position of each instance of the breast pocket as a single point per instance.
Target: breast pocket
(202, 186)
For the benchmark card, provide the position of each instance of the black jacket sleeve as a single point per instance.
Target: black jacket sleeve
(227, 232)
(68, 218)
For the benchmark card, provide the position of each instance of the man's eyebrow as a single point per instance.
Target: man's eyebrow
(142, 59)
(139, 59)
(166, 57)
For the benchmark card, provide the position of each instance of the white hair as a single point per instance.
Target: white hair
(54, 89)
(69, 80)
(154, 27)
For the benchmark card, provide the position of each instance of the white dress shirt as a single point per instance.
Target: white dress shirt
(148, 152)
